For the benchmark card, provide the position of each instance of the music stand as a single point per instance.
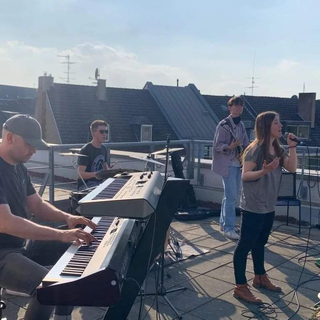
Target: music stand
(161, 290)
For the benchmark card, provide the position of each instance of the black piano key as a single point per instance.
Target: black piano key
(71, 273)
(74, 264)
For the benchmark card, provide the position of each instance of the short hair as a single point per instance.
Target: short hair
(234, 101)
(97, 123)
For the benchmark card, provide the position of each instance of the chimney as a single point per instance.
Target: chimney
(307, 107)
(101, 89)
(45, 82)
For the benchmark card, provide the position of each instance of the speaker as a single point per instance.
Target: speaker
(288, 186)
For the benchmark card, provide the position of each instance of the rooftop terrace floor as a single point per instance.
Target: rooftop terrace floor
(209, 278)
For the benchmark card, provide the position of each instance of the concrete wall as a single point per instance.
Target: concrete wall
(211, 190)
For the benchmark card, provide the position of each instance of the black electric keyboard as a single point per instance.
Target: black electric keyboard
(92, 275)
(100, 284)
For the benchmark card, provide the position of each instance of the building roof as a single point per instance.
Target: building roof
(286, 107)
(76, 106)
(18, 106)
(219, 105)
(8, 108)
(315, 132)
(13, 92)
(186, 110)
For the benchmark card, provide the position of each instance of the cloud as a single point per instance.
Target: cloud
(22, 64)
(288, 64)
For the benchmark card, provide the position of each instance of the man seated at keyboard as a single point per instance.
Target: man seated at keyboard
(96, 156)
(22, 264)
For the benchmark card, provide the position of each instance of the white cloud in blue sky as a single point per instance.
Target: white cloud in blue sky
(208, 43)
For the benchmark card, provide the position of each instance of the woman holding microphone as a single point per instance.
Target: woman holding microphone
(261, 174)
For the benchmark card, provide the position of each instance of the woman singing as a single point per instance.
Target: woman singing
(262, 165)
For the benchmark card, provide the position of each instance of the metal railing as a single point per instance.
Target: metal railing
(49, 180)
(194, 158)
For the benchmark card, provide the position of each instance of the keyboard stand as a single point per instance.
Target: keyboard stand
(144, 256)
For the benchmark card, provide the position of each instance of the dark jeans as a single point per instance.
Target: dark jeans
(254, 234)
(23, 270)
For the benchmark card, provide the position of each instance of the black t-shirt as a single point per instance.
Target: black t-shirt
(94, 162)
(15, 186)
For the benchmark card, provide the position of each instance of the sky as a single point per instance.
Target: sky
(216, 45)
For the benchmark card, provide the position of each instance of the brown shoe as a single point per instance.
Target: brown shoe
(264, 282)
(242, 291)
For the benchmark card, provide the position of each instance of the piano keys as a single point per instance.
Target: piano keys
(133, 195)
(92, 275)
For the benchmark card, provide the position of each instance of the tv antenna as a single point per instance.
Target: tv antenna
(68, 63)
(253, 77)
(96, 76)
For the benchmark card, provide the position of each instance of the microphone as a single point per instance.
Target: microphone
(293, 139)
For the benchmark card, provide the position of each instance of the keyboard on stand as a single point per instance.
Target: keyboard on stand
(92, 275)
(133, 195)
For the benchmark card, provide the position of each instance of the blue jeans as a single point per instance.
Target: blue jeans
(23, 269)
(231, 186)
(254, 233)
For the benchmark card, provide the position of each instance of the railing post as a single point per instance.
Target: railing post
(108, 156)
(51, 170)
(190, 154)
(200, 147)
(152, 165)
(303, 164)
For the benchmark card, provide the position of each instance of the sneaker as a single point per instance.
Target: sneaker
(17, 293)
(221, 228)
(231, 234)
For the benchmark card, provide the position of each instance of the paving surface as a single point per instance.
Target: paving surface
(209, 279)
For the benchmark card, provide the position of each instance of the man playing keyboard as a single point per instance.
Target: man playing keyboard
(22, 265)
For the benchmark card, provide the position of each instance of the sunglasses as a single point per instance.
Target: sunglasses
(103, 131)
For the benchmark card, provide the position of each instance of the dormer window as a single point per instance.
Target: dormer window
(301, 131)
(142, 128)
(146, 132)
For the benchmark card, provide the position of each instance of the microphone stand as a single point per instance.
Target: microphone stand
(161, 290)
(2, 306)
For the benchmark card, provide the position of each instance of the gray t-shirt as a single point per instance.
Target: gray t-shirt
(260, 196)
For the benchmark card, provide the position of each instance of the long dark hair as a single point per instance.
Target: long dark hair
(262, 131)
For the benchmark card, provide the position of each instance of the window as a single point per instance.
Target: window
(292, 129)
(207, 152)
(146, 133)
(301, 131)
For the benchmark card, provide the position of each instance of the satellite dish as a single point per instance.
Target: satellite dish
(97, 74)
